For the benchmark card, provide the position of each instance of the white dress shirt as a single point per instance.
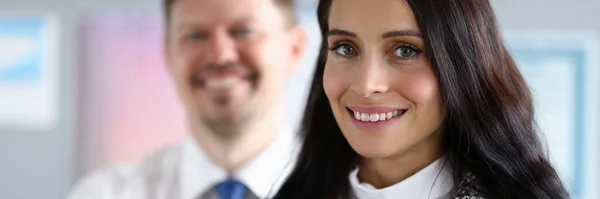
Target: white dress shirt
(433, 182)
(185, 172)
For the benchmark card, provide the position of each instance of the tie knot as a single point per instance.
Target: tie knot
(231, 189)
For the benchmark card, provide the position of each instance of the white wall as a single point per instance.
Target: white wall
(548, 14)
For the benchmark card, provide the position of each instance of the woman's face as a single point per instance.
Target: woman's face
(381, 87)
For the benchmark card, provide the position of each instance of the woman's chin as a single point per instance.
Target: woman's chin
(372, 151)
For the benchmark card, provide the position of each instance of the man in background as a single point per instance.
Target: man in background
(229, 60)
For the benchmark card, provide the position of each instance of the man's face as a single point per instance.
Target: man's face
(229, 59)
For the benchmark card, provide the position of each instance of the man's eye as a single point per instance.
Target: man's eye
(196, 36)
(242, 32)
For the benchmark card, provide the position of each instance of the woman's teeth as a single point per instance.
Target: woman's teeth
(375, 117)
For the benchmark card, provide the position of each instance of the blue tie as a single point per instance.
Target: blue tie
(231, 189)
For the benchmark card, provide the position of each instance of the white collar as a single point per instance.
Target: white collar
(262, 175)
(434, 181)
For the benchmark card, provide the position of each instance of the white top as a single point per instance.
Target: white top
(185, 172)
(433, 182)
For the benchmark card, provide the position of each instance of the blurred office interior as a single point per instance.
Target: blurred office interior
(104, 95)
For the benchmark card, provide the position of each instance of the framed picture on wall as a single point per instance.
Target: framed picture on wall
(28, 72)
(561, 68)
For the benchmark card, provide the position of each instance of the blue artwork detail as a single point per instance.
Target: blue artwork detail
(21, 48)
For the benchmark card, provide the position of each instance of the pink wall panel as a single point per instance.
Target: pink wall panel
(128, 104)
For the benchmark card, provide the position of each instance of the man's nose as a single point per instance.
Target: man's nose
(222, 48)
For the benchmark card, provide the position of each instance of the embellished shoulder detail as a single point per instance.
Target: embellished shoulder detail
(469, 188)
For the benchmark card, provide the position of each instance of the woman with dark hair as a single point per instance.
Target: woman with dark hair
(418, 99)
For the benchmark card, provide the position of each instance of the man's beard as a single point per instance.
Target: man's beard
(227, 128)
(231, 126)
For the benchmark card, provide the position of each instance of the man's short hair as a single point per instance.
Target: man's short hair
(286, 6)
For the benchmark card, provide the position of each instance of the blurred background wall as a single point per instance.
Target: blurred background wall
(45, 164)
(40, 164)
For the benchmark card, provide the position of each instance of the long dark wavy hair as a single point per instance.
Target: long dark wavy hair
(489, 127)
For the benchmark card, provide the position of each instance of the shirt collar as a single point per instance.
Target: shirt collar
(434, 181)
(266, 173)
(198, 173)
(263, 175)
